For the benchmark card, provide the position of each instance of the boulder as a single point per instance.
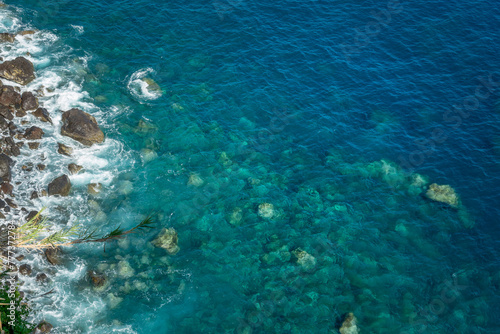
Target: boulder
(54, 256)
(305, 260)
(5, 164)
(43, 115)
(266, 210)
(82, 127)
(19, 70)
(6, 112)
(44, 327)
(26, 32)
(25, 269)
(29, 101)
(63, 149)
(33, 146)
(4, 125)
(94, 188)
(349, 326)
(168, 240)
(6, 188)
(60, 186)
(42, 277)
(33, 133)
(74, 168)
(9, 97)
(443, 194)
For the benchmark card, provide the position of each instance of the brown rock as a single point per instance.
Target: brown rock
(82, 127)
(5, 165)
(6, 188)
(60, 186)
(25, 269)
(19, 70)
(96, 278)
(74, 168)
(33, 133)
(40, 166)
(54, 256)
(29, 101)
(6, 37)
(65, 150)
(11, 203)
(34, 195)
(94, 188)
(6, 112)
(44, 327)
(43, 115)
(33, 146)
(42, 277)
(26, 32)
(20, 113)
(9, 97)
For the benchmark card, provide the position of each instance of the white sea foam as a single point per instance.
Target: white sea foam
(60, 89)
(141, 89)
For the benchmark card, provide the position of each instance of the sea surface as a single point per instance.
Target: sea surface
(290, 144)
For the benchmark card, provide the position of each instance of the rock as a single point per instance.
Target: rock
(6, 37)
(33, 146)
(82, 127)
(54, 256)
(5, 163)
(2, 216)
(63, 149)
(26, 32)
(6, 113)
(125, 270)
(4, 125)
(11, 203)
(20, 257)
(25, 269)
(305, 260)
(32, 214)
(266, 210)
(20, 113)
(6, 188)
(74, 168)
(168, 240)
(19, 70)
(9, 97)
(98, 280)
(443, 194)
(33, 133)
(40, 166)
(43, 115)
(29, 101)
(34, 195)
(94, 188)
(42, 277)
(60, 186)
(2, 204)
(349, 326)
(195, 180)
(44, 327)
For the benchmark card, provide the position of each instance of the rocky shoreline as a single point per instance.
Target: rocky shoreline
(21, 115)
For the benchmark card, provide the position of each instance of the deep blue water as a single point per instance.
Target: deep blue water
(292, 103)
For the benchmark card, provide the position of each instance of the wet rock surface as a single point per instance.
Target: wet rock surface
(60, 186)
(19, 70)
(82, 127)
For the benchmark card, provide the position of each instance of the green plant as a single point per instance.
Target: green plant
(13, 311)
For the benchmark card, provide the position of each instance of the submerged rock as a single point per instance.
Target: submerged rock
(125, 270)
(168, 240)
(305, 260)
(19, 70)
(266, 210)
(94, 188)
(443, 194)
(195, 180)
(60, 186)
(82, 127)
(349, 326)
(98, 280)
(44, 327)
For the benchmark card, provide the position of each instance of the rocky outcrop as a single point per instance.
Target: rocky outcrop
(349, 326)
(19, 70)
(25, 269)
(74, 168)
(6, 37)
(60, 186)
(82, 127)
(444, 194)
(168, 240)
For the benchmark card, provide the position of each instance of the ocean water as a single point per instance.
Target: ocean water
(290, 145)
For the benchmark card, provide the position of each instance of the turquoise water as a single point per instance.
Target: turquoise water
(278, 128)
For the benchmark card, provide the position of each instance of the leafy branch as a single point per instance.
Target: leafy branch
(29, 234)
